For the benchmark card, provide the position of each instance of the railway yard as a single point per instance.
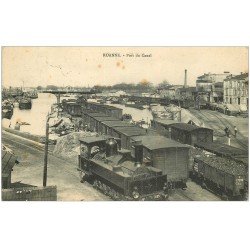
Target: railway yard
(110, 158)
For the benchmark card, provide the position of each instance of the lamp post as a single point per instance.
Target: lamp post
(46, 152)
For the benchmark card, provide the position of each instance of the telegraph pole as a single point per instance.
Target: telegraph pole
(46, 152)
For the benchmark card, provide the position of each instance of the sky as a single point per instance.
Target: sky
(86, 66)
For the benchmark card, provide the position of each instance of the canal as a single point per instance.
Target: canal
(36, 116)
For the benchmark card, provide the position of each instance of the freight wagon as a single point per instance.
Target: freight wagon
(107, 127)
(99, 120)
(125, 134)
(220, 175)
(237, 154)
(190, 134)
(73, 108)
(92, 120)
(167, 155)
(163, 126)
(106, 109)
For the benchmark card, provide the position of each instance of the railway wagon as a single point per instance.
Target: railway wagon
(99, 120)
(125, 134)
(73, 108)
(190, 134)
(116, 173)
(106, 109)
(163, 126)
(221, 176)
(169, 156)
(106, 127)
(86, 115)
(237, 154)
(111, 111)
(92, 120)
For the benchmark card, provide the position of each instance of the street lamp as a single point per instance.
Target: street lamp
(46, 152)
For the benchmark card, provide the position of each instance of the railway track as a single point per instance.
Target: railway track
(181, 193)
(221, 124)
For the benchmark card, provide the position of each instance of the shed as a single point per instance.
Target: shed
(125, 133)
(168, 155)
(190, 134)
(8, 162)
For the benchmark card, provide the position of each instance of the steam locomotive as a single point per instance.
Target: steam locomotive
(118, 174)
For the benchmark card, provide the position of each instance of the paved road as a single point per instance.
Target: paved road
(65, 176)
(60, 173)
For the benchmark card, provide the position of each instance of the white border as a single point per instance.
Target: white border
(176, 225)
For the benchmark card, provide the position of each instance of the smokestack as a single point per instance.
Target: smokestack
(185, 79)
(138, 153)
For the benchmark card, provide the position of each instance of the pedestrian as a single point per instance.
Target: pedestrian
(235, 131)
(227, 131)
(17, 126)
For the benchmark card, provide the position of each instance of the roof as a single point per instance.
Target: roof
(106, 118)
(165, 121)
(130, 131)
(97, 114)
(187, 127)
(92, 139)
(8, 160)
(117, 123)
(112, 107)
(238, 77)
(158, 142)
(223, 149)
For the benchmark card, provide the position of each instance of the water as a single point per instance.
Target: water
(137, 114)
(36, 116)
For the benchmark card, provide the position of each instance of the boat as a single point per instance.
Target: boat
(25, 103)
(7, 109)
(134, 105)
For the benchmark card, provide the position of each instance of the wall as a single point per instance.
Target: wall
(30, 194)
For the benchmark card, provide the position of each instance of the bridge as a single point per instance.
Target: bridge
(58, 93)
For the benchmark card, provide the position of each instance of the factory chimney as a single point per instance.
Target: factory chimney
(138, 153)
(185, 79)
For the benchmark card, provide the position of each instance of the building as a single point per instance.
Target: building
(168, 92)
(235, 90)
(185, 93)
(204, 83)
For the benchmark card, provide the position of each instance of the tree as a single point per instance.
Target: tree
(164, 85)
(52, 87)
(39, 88)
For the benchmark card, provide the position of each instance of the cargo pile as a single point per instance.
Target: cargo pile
(221, 163)
(68, 146)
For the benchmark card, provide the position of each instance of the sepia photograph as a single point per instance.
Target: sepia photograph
(125, 123)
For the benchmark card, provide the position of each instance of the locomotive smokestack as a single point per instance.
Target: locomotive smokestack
(138, 153)
(185, 79)
(111, 147)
